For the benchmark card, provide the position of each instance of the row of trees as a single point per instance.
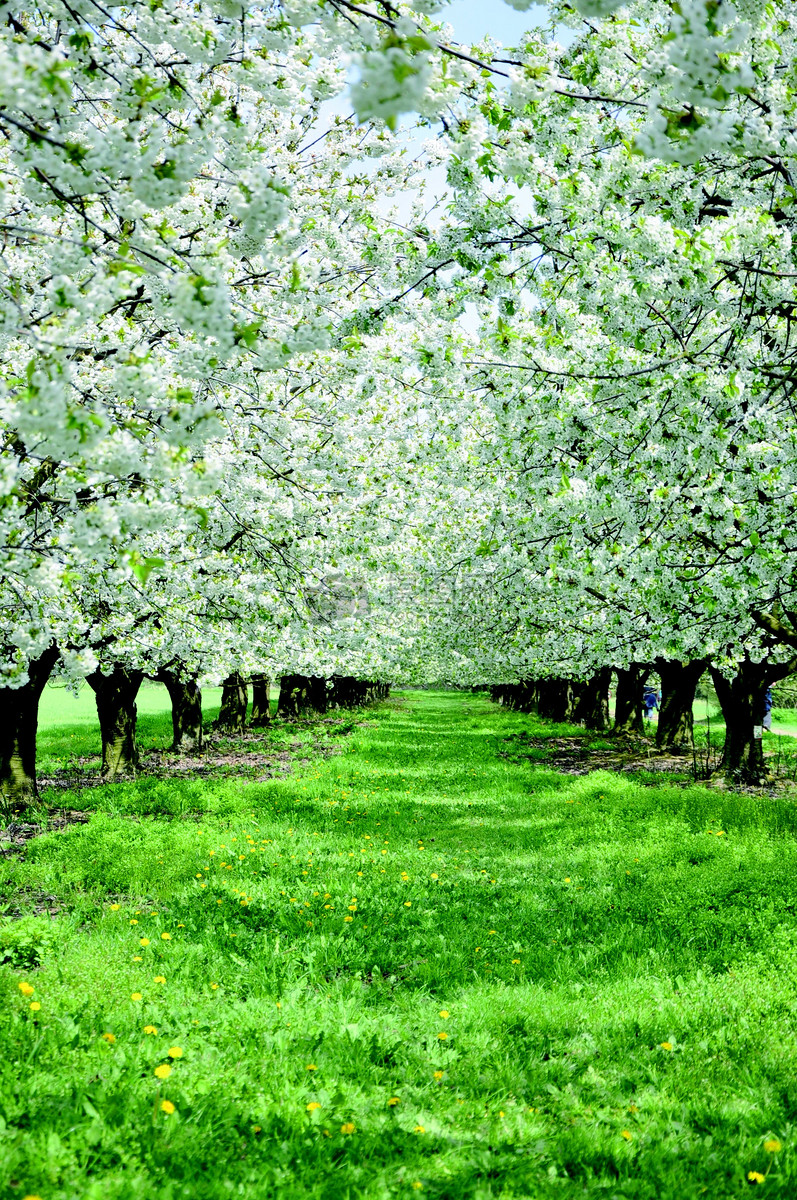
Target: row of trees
(269, 408)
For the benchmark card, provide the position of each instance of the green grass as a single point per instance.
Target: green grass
(617, 966)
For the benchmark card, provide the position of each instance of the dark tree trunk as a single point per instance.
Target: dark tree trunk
(234, 702)
(556, 698)
(261, 701)
(115, 695)
(628, 716)
(19, 714)
(300, 694)
(186, 699)
(742, 700)
(678, 682)
(592, 705)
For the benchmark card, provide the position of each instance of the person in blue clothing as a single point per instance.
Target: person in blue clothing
(650, 699)
(768, 710)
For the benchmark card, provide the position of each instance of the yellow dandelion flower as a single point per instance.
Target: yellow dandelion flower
(135, 996)
(419, 1129)
(159, 978)
(348, 918)
(442, 1036)
(115, 907)
(27, 989)
(394, 1100)
(143, 941)
(214, 986)
(257, 1129)
(110, 1038)
(408, 904)
(433, 876)
(181, 924)
(444, 1013)
(515, 962)
(632, 1108)
(567, 878)
(34, 1006)
(134, 921)
(348, 1127)
(666, 1045)
(175, 1052)
(311, 1067)
(313, 1105)
(163, 1071)
(137, 958)
(773, 1146)
(626, 1133)
(166, 937)
(755, 1177)
(31, 1198)
(438, 1074)
(150, 1029)
(167, 1107)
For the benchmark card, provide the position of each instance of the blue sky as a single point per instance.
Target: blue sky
(473, 19)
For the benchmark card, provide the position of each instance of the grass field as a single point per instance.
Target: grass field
(415, 967)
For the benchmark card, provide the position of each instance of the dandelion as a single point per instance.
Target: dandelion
(214, 986)
(143, 941)
(257, 1129)
(159, 978)
(166, 937)
(438, 1074)
(135, 996)
(773, 1146)
(433, 876)
(444, 1013)
(110, 1038)
(31, 1198)
(419, 1129)
(167, 1107)
(394, 1100)
(348, 919)
(348, 1127)
(311, 1067)
(666, 1045)
(137, 958)
(134, 921)
(27, 989)
(632, 1108)
(35, 1006)
(150, 1029)
(163, 1071)
(175, 1052)
(755, 1177)
(567, 879)
(313, 1105)
(515, 962)
(115, 907)
(418, 1185)
(626, 1133)
(181, 925)
(442, 1036)
(408, 904)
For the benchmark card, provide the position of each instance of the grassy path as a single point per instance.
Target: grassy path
(424, 966)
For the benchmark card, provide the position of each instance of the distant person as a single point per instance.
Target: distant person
(767, 722)
(650, 699)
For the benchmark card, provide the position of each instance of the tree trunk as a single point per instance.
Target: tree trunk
(674, 731)
(261, 701)
(19, 713)
(556, 699)
(234, 702)
(742, 700)
(301, 694)
(628, 716)
(115, 695)
(186, 698)
(592, 706)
